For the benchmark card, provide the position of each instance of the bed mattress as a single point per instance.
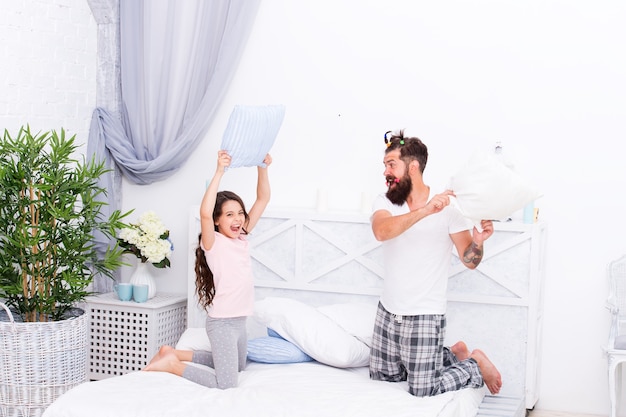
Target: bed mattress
(299, 389)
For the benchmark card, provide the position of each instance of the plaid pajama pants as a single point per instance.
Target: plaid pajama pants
(411, 348)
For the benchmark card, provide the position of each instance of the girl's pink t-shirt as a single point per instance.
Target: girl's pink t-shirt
(229, 260)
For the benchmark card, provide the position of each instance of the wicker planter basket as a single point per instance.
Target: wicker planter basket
(39, 362)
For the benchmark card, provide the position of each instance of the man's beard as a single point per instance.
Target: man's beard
(400, 192)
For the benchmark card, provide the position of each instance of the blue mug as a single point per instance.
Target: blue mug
(124, 291)
(140, 293)
(529, 213)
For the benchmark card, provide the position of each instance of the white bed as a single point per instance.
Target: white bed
(302, 389)
(317, 279)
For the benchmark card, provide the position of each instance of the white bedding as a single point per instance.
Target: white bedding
(272, 390)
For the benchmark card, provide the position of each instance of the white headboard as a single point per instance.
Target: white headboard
(315, 257)
(326, 258)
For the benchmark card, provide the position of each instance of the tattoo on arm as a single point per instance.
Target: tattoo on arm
(473, 254)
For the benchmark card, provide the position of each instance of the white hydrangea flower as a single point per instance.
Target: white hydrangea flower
(145, 239)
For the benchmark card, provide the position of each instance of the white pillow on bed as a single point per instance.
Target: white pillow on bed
(355, 318)
(487, 189)
(265, 349)
(194, 338)
(313, 332)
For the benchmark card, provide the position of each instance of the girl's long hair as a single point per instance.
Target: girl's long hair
(205, 284)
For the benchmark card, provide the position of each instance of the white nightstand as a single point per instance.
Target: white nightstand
(125, 335)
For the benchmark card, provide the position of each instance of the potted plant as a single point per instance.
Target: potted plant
(50, 208)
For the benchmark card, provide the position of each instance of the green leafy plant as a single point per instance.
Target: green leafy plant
(50, 209)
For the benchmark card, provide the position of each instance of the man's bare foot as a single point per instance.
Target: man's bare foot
(163, 351)
(460, 350)
(491, 376)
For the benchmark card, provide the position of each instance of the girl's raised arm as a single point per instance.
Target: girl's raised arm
(207, 225)
(263, 194)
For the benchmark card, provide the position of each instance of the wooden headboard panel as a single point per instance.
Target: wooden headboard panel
(325, 258)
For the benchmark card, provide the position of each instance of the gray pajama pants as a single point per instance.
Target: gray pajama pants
(229, 351)
(410, 348)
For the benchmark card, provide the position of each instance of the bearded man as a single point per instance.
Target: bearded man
(419, 230)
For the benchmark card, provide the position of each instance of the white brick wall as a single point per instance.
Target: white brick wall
(48, 57)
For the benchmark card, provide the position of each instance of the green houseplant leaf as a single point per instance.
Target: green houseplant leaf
(50, 208)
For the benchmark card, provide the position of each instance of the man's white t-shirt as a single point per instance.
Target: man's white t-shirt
(417, 262)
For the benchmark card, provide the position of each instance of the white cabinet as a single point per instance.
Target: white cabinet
(125, 335)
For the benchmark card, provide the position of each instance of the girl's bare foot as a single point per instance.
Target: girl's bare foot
(163, 351)
(491, 376)
(167, 363)
(460, 350)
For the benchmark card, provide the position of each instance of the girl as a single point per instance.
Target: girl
(224, 283)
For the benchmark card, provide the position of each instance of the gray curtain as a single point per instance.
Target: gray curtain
(177, 60)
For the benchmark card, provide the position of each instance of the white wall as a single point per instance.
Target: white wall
(544, 77)
(48, 66)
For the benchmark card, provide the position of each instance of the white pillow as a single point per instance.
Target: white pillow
(194, 338)
(487, 189)
(355, 318)
(260, 349)
(313, 332)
